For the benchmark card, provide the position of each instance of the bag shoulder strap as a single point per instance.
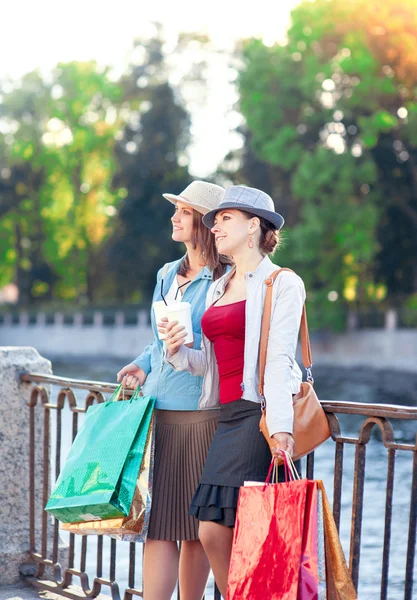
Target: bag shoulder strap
(265, 327)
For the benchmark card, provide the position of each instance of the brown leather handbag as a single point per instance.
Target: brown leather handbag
(311, 427)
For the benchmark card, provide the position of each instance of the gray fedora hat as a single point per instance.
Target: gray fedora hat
(249, 200)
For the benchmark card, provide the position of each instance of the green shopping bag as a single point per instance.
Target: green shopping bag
(98, 479)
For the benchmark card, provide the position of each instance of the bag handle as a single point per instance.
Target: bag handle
(120, 390)
(265, 327)
(290, 470)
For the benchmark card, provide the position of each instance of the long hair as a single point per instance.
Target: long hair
(203, 238)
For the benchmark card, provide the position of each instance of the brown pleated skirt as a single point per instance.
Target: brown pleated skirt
(182, 440)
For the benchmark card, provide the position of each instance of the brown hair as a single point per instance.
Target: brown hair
(202, 237)
(269, 238)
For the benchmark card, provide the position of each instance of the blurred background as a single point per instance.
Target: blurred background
(104, 107)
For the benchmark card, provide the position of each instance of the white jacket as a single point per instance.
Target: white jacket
(282, 374)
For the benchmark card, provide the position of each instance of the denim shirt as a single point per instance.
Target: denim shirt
(174, 390)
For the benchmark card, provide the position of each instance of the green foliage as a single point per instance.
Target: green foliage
(331, 120)
(84, 161)
(148, 166)
(58, 144)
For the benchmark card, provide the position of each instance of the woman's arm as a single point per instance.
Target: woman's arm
(183, 358)
(180, 357)
(282, 346)
(143, 361)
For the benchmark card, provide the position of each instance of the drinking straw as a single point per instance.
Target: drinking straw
(180, 286)
(162, 287)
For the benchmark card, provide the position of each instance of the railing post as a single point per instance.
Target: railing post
(391, 320)
(98, 319)
(23, 319)
(119, 319)
(352, 320)
(14, 463)
(142, 318)
(78, 319)
(41, 319)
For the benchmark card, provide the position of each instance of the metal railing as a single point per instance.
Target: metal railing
(45, 552)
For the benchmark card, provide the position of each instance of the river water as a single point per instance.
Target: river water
(331, 384)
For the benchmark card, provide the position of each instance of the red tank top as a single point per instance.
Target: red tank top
(224, 326)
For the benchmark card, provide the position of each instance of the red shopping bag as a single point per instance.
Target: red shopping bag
(267, 542)
(309, 581)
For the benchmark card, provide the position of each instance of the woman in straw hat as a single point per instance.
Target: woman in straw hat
(183, 434)
(246, 227)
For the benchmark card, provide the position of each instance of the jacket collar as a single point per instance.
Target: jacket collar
(263, 269)
(205, 274)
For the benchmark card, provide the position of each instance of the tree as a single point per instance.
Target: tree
(23, 111)
(58, 139)
(77, 147)
(332, 114)
(151, 158)
(80, 138)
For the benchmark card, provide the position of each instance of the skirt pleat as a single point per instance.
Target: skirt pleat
(182, 440)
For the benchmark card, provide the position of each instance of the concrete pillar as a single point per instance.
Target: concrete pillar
(352, 320)
(119, 319)
(98, 319)
(59, 319)
(391, 320)
(78, 319)
(14, 463)
(23, 319)
(41, 319)
(143, 316)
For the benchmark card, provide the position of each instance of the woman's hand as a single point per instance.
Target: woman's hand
(284, 441)
(162, 326)
(131, 376)
(174, 337)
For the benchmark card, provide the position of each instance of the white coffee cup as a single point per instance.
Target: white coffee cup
(181, 312)
(160, 309)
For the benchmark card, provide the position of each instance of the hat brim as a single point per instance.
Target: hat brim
(174, 199)
(272, 217)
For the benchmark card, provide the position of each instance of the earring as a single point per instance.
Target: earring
(250, 242)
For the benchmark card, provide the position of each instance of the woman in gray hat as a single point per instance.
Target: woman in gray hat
(246, 227)
(182, 434)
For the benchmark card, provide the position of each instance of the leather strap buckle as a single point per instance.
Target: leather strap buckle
(269, 281)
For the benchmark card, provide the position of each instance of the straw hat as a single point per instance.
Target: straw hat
(251, 200)
(200, 195)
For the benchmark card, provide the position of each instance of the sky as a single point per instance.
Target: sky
(43, 33)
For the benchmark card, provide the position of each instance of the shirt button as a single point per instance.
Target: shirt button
(250, 274)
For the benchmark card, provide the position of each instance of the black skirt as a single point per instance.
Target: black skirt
(238, 453)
